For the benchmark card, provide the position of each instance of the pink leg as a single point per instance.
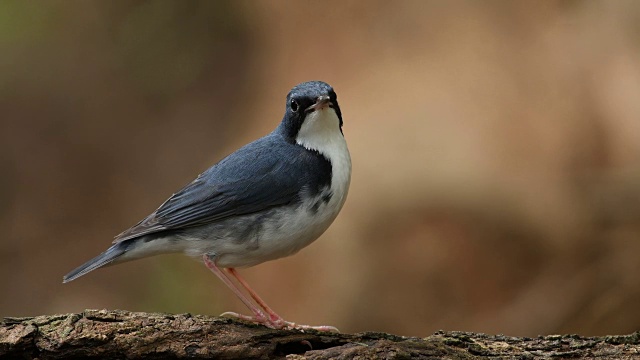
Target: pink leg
(259, 315)
(275, 318)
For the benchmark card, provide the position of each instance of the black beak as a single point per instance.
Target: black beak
(321, 103)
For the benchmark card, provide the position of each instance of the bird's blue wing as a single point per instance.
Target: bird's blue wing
(259, 176)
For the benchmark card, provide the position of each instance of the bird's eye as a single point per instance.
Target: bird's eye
(294, 105)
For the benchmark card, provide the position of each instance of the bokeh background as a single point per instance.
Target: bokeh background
(495, 147)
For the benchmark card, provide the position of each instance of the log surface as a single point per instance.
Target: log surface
(106, 334)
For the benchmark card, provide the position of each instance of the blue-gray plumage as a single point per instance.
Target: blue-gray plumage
(267, 200)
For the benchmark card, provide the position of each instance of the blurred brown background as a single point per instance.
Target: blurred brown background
(496, 152)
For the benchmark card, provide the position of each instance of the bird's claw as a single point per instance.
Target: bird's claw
(278, 323)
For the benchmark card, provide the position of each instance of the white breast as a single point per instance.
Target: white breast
(320, 131)
(292, 229)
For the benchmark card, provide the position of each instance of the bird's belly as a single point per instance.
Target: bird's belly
(256, 238)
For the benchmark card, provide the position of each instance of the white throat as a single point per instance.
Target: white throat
(320, 131)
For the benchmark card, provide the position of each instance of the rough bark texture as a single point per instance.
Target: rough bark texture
(120, 334)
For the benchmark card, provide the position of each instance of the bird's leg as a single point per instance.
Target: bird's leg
(273, 320)
(276, 320)
(259, 316)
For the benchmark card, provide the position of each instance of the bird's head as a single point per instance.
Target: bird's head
(312, 114)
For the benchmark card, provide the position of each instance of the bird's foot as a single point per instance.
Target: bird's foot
(326, 328)
(258, 317)
(276, 322)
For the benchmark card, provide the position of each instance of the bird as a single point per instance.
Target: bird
(265, 201)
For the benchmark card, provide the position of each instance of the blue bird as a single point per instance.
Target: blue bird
(265, 201)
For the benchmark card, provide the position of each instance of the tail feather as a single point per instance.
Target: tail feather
(101, 260)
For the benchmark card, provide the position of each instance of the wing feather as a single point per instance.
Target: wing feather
(256, 177)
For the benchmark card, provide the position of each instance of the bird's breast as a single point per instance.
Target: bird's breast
(284, 231)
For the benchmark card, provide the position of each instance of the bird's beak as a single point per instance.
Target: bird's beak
(322, 102)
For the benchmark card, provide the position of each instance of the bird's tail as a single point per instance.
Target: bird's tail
(99, 261)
